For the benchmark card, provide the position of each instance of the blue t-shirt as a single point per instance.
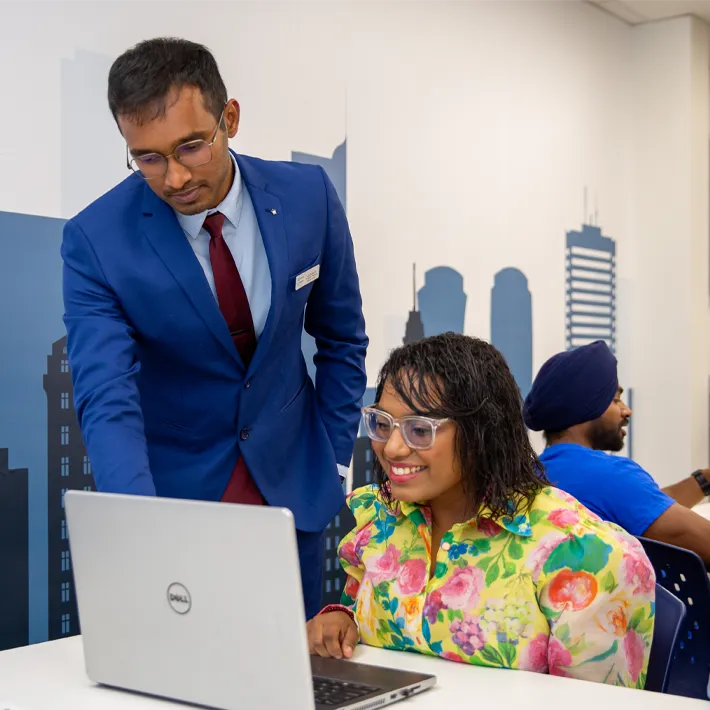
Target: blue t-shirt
(613, 487)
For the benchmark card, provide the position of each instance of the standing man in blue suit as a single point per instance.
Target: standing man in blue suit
(185, 289)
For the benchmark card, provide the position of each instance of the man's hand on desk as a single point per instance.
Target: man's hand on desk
(691, 490)
(333, 634)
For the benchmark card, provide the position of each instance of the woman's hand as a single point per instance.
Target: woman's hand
(333, 634)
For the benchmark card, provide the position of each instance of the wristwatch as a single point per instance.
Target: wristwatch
(703, 482)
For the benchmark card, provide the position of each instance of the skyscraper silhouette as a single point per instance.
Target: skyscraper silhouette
(68, 467)
(334, 575)
(442, 301)
(31, 316)
(368, 399)
(590, 270)
(363, 463)
(84, 121)
(14, 558)
(336, 169)
(511, 324)
(415, 329)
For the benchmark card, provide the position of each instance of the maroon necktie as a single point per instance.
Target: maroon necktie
(233, 303)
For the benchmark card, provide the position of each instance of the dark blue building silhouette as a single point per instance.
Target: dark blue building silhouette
(368, 400)
(511, 324)
(14, 558)
(333, 574)
(414, 330)
(442, 301)
(68, 467)
(31, 318)
(336, 169)
(363, 460)
(590, 271)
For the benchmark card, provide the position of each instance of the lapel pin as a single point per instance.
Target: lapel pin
(272, 210)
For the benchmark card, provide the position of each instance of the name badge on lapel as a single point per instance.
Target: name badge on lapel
(307, 277)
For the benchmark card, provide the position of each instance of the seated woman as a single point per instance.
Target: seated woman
(463, 550)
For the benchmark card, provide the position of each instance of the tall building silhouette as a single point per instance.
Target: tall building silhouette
(415, 329)
(31, 317)
(363, 463)
(442, 301)
(68, 466)
(83, 121)
(511, 324)
(334, 577)
(14, 554)
(336, 169)
(333, 574)
(368, 399)
(590, 271)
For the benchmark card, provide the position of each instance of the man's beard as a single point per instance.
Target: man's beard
(602, 438)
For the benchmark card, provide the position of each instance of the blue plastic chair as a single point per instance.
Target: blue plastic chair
(684, 575)
(670, 615)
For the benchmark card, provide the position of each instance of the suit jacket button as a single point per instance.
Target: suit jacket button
(247, 384)
(244, 434)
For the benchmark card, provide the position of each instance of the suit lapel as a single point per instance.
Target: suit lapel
(169, 241)
(269, 215)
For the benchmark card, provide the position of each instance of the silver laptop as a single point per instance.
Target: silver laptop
(201, 603)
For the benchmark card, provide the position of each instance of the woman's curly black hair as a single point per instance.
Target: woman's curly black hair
(468, 380)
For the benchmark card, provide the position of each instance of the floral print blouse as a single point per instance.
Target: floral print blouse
(554, 591)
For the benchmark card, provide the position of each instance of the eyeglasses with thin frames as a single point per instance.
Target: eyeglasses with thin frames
(418, 432)
(191, 154)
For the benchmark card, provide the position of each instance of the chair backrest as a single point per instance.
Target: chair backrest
(333, 573)
(684, 575)
(670, 614)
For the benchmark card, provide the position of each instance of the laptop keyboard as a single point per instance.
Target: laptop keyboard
(336, 692)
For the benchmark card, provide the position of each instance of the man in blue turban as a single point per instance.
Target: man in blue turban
(576, 401)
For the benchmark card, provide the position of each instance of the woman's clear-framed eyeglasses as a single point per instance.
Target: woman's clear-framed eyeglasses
(191, 154)
(418, 432)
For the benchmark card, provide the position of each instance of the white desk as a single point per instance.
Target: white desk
(703, 509)
(50, 676)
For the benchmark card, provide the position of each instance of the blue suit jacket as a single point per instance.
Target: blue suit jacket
(164, 402)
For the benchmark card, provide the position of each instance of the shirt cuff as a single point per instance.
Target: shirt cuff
(343, 471)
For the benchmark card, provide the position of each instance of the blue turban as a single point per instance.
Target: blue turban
(571, 388)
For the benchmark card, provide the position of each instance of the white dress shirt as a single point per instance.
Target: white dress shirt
(243, 237)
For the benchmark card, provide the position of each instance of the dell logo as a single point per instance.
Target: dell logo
(179, 598)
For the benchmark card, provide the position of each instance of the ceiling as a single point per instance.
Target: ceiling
(638, 11)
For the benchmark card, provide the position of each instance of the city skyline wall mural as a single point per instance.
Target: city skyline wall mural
(41, 450)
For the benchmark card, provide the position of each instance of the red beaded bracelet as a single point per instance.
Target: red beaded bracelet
(337, 607)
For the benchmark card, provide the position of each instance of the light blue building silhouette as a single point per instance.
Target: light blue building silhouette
(590, 275)
(336, 169)
(511, 324)
(442, 301)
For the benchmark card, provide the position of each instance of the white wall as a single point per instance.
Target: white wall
(283, 60)
(473, 126)
(667, 343)
(485, 121)
(473, 129)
